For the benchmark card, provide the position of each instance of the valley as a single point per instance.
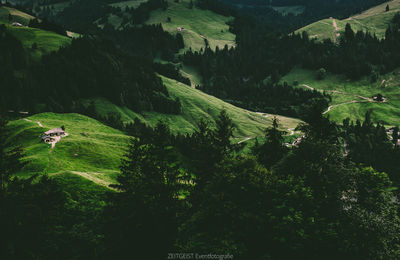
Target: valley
(135, 129)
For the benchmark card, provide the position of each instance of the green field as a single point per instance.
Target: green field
(344, 91)
(197, 105)
(198, 24)
(91, 149)
(46, 41)
(375, 20)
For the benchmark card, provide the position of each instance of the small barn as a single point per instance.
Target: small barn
(53, 134)
(48, 139)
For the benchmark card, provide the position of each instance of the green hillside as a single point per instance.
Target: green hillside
(374, 20)
(197, 105)
(46, 41)
(198, 25)
(354, 98)
(91, 149)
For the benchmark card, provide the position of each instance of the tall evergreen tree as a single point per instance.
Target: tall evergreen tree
(273, 149)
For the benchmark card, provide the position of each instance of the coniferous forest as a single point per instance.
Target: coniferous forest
(331, 195)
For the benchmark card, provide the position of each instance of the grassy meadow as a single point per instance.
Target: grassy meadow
(91, 149)
(344, 91)
(198, 25)
(46, 41)
(197, 105)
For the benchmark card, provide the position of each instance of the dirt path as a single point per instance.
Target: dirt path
(339, 92)
(336, 33)
(30, 121)
(95, 179)
(56, 140)
(346, 103)
(364, 99)
(263, 114)
(245, 140)
(307, 86)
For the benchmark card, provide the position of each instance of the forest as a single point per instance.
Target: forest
(198, 193)
(89, 67)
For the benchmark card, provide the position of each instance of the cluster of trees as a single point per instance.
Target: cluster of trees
(248, 74)
(12, 58)
(198, 193)
(89, 67)
(82, 16)
(147, 41)
(48, 26)
(357, 54)
(171, 71)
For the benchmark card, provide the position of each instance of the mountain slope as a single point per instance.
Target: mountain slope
(198, 25)
(91, 149)
(46, 41)
(374, 20)
(197, 105)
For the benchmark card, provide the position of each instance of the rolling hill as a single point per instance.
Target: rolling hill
(93, 151)
(198, 25)
(46, 41)
(90, 150)
(374, 20)
(197, 105)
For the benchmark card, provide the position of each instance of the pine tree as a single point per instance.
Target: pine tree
(348, 33)
(10, 157)
(395, 135)
(273, 149)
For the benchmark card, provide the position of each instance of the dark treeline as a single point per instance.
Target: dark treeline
(171, 71)
(314, 10)
(149, 41)
(89, 67)
(81, 16)
(198, 194)
(48, 26)
(356, 55)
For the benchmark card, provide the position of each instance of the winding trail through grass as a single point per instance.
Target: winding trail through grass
(364, 99)
(245, 140)
(346, 103)
(94, 179)
(336, 33)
